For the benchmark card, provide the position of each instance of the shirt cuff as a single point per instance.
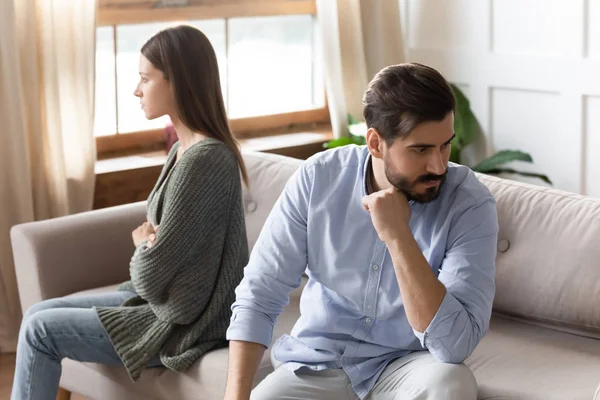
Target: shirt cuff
(251, 326)
(443, 320)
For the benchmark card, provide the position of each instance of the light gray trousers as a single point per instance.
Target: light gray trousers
(418, 376)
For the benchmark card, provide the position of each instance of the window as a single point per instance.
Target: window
(117, 108)
(269, 62)
(273, 66)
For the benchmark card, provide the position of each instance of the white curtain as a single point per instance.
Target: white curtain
(359, 37)
(47, 147)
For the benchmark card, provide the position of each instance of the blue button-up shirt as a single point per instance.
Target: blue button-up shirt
(352, 314)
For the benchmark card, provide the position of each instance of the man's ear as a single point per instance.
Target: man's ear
(375, 143)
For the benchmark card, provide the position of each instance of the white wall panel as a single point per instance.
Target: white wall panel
(592, 150)
(592, 29)
(532, 27)
(435, 24)
(533, 121)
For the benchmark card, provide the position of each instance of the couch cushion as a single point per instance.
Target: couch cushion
(205, 380)
(547, 267)
(516, 360)
(268, 174)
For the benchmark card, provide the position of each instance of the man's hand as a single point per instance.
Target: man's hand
(142, 233)
(390, 213)
(422, 293)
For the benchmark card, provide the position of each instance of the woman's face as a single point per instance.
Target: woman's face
(154, 91)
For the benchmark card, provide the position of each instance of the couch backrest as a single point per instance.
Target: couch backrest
(548, 262)
(268, 174)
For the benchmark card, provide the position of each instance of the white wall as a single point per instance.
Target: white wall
(531, 69)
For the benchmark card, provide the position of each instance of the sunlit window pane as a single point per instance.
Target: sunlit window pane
(105, 115)
(267, 65)
(273, 65)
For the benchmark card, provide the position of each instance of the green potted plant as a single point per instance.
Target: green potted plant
(467, 131)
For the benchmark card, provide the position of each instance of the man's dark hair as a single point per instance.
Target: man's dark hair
(402, 96)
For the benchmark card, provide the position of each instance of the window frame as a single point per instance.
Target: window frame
(118, 12)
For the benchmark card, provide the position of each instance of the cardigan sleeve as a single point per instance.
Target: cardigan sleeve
(189, 242)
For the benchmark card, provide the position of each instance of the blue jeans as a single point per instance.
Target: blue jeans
(66, 327)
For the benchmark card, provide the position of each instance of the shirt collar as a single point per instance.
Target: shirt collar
(367, 186)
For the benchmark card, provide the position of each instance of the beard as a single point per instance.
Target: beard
(406, 186)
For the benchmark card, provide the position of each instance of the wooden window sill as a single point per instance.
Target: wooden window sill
(127, 179)
(285, 144)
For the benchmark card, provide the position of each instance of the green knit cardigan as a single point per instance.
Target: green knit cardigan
(185, 282)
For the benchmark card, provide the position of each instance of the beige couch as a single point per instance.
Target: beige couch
(544, 340)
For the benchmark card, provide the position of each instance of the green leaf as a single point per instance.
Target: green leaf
(455, 150)
(466, 127)
(359, 140)
(455, 154)
(345, 140)
(522, 173)
(501, 157)
(342, 141)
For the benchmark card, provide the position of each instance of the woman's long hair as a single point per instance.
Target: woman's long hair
(187, 59)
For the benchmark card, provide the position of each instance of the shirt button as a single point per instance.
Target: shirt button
(503, 246)
(370, 306)
(375, 267)
(368, 320)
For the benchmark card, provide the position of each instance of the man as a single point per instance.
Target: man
(399, 247)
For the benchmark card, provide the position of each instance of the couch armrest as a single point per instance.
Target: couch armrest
(60, 256)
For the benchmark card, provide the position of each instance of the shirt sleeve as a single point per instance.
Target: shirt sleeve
(467, 272)
(276, 265)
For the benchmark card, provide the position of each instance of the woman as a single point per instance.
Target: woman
(176, 307)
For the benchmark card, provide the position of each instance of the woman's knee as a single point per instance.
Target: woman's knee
(41, 306)
(31, 322)
(39, 332)
(33, 326)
